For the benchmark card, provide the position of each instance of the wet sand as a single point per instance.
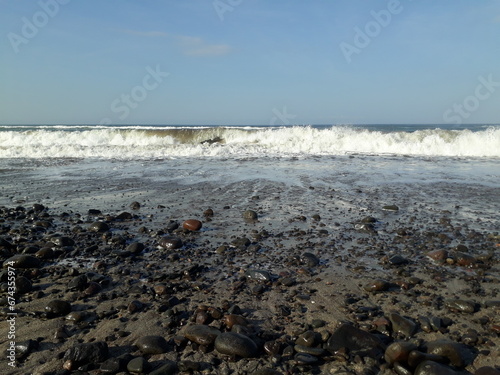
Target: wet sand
(323, 251)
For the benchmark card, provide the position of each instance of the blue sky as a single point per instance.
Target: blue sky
(249, 62)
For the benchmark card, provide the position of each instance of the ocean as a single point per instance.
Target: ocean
(83, 165)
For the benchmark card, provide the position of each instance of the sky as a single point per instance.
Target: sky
(249, 62)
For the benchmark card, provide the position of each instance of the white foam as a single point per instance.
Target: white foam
(159, 142)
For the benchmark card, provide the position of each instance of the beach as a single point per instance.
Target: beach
(340, 263)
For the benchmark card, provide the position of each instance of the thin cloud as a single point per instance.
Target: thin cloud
(189, 45)
(195, 46)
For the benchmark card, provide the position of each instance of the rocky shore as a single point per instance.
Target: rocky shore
(258, 285)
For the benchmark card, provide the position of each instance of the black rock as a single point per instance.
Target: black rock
(236, 344)
(87, 353)
(99, 226)
(152, 345)
(57, 308)
(355, 341)
(23, 261)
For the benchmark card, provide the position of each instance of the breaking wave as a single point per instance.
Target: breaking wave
(144, 142)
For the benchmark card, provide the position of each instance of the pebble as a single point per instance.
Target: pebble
(458, 354)
(23, 285)
(152, 345)
(399, 351)
(378, 285)
(460, 305)
(170, 242)
(135, 247)
(433, 368)
(487, 370)
(438, 255)
(355, 340)
(192, 225)
(201, 334)
(57, 308)
(169, 368)
(235, 344)
(22, 261)
(305, 358)
(258, 275)
(138, 365)
(250, 215)
(99, 227)
(402, 325)
(86, 353)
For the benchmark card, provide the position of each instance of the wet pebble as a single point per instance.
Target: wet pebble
(201, 334)
(433, 368)
(460, 305)
(138, 365)
(258, 275)
(170, 242)
(23, 285)
(57, 308)
(236, 344)
(250, 215)
(399, 351)
(22, 261)
(458, 354)
(404, 326)
(192, 225)
(99, 227)
(378, 285)
(86, 353)
(152, 345)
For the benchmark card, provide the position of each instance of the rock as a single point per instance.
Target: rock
(170, 242)
(22, 261)
(24, 348)
(433, 368)
(464, 260)
(208, 212)
(309, 259)
(266, 371)
(113, 365)
(138, 365)
(152, 345)
(57, 308)
(62, 241)
(234, 319)
(305, 358)
(356, 341)
(135, 247)
(399, 352)
(79, 282)
(250, 215)
(459, 305)
(124, 216)
(23, 285)
(87, 353)
(402, 325)
(317, 352)
(135, 205)
(192, 225)
(438, 255)
(201, 334)
(99, 227)
(6, 244)
(416, 357)
(258, 275)
(391, 207)
(169, 368)
(309, 339)
(236, 344)
(458, 354)
(377, 285)
(397, 260)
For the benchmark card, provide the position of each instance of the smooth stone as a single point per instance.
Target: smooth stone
(305, 358)
(135, 205)
(57, 308)
(399, 352)
(22, 261)
(99, 227)
(87, 353)
(438, 255)
(78, 283)
(25, 347)
(192, 225)
(250, 215)
(234, 319)
(62, 241)
(391, 207)
(402, 325)
(378, 285)
(397, 260)
(169, 368)
(170, 242)
(309, 259)
(355, 340)
(201, 334)
(23, 285)
(138, 365)
(308, 338)
(259, 275)
(458, 354)
(135, 247)
(152, 345)
(459, 305)
(464, 260)
(45, 253)
(317, 352)
(236, 344)
(433, 368)
(416, 357)
(112, 366)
